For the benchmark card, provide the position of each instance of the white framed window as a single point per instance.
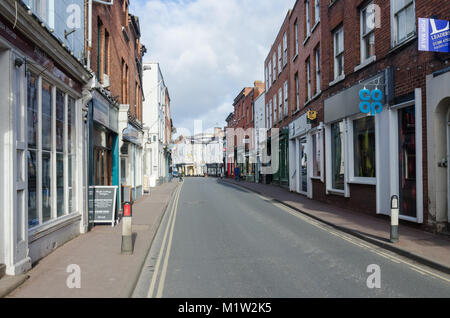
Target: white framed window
(317, 11)
(296, 37)
(286, 99)
(275, 110)
(308, 78)
(336, 157)
(267, 78)
(338, 39)
(270, 114)
(274, 59)
(362, 147)
(270, 74)
(307, 19)
(297, 92)
(51, 151)
(367, 37)
(280, 104)
(317, 54)
(403, 20)
(280, 62)
(285, 49)
(316, 138)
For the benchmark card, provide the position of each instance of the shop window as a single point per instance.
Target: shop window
(337, 156)
(364, 147)
(316, 152)
(32, 117)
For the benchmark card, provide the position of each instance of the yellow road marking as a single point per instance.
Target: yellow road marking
(169, 245)
(155, 273)
(392, 258)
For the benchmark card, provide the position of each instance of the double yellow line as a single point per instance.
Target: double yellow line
(168, 235)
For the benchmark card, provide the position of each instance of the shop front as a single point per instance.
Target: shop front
(104, 141)
(305, 155)
(42, 197)
(131, 162)
(281, 176)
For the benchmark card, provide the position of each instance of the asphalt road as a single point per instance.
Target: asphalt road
(218, 240)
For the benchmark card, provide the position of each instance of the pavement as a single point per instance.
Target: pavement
(105, 272)
(427, 248)
(218, 240)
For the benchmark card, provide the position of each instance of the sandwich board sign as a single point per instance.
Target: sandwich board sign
(434, 35)
(102, 204)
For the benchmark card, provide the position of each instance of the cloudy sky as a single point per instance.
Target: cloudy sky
(208, 50)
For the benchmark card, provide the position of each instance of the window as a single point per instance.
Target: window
(367, 32)
(274, 66)
(403, 20)
(51, 192)
(308, 79)
(106, 57)
(338, 37)
(296, 38)
(267, 78)
(286, 99)
(297, 92)
(317, 54)
(307, 19)
(316, 147)
(364, 147)
(280, 62)
(280, 104)
(274, 109)
(270, 73)
(317, 12)
(337, 155)
(270, 114)
(285, 48)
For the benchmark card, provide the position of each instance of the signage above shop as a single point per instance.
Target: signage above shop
(371, 101)
(131, 134)
(434, 35)
(300, 126)
(312, 116)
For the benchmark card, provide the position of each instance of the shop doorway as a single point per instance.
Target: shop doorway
(303, 169)
(448, 168)
(407, 161)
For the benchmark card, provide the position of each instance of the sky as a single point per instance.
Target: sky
(208, 51)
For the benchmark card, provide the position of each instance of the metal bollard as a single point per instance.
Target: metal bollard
(127, 232)
(394, 219)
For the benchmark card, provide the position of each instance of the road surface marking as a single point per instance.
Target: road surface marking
(392, 258)
(169, 246)
(155, 273)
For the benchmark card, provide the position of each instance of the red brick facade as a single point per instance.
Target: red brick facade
(118, 52)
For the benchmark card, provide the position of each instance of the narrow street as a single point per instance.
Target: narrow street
(218, 240)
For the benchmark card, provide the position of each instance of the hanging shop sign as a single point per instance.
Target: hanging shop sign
(371, 101)
(312, 116)
(434, 35)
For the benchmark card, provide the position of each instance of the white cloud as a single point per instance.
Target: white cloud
(208, 50)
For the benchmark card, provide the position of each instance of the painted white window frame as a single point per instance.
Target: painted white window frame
(366, 36)
(318, 134)
(280, 104)
(307, 18)
(338, 54)
(308, 79)
(285, 49)
(286, 99)
(297, 92)
(267, 78)
(274, 58)
(329, 172)
(394, 21)
(316, 11)
(280, 61)
(270, 73)
(296, 37)
(318, 77)
(351, 152)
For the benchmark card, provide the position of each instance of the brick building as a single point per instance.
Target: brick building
(277, 66)
(345, 157)
(114, 54)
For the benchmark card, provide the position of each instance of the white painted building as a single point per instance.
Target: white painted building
(155, 111)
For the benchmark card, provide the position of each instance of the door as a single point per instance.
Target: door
(448, 168)
(407, 161)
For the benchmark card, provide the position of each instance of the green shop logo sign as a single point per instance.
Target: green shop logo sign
(371, 101)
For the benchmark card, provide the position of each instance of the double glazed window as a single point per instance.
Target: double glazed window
(337, 156)
(364, 147)
(403, 20)
(51, 152)
(367, 32)
(338, 37)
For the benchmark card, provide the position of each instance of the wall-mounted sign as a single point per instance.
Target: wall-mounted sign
(311, 115)
(434, 35)
(371, 101)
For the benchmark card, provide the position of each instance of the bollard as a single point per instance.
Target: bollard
(127, 232)
(394, 219)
